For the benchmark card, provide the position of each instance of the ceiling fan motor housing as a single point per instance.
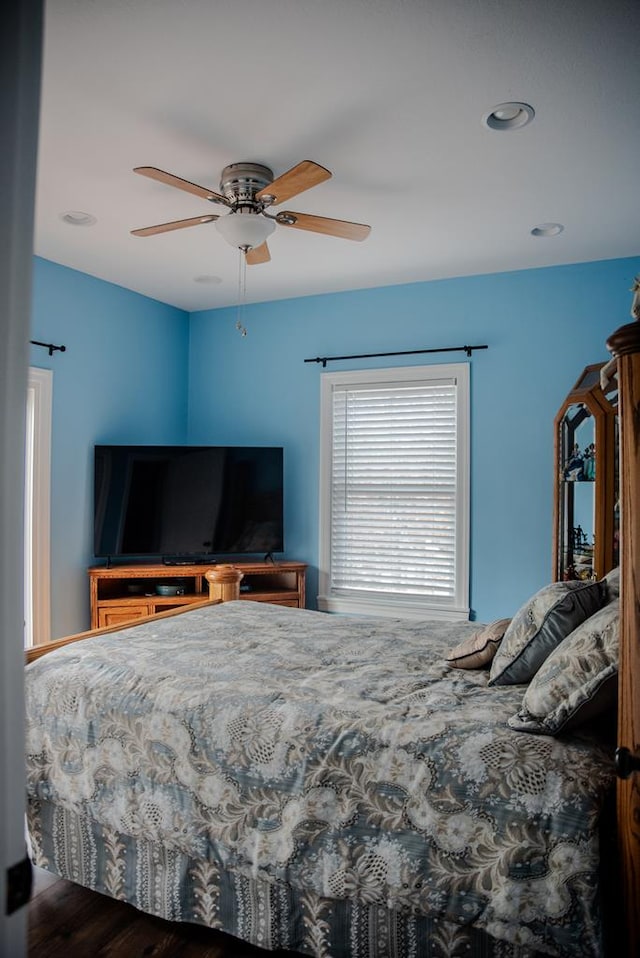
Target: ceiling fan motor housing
(240, 182)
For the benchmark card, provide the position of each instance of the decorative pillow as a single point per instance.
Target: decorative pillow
(612, 582)
(578, 681)
(540, 625)
(477, 651)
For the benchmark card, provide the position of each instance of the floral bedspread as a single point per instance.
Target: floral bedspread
(340, 756)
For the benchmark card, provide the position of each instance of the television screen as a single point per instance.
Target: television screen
(181, 501)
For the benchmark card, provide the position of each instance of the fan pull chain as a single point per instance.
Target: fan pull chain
(242, 293)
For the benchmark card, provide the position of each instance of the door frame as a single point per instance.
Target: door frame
(20, 69)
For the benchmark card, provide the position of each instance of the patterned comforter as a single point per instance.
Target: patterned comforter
(334, 762)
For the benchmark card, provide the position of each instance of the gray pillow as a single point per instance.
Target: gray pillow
(612, 583)
(578, 681)
(540, 625)
(478, 650)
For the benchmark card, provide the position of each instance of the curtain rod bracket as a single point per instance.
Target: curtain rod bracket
(406, 352)
(52, 349)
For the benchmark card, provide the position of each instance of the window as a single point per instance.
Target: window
(394, 491)
(37, 625)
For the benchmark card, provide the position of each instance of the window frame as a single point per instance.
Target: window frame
(37, 507)
(455, 609)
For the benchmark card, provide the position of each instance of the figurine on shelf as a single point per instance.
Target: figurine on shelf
(635, 302)
(589, 470)
(580, 539)
(574, 467)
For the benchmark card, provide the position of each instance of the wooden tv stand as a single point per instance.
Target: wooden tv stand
(122, 593)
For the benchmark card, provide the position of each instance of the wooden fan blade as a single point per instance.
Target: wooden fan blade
(323, 224)
(155, 174)
(258, 255)
(296, 180)
(175, 225)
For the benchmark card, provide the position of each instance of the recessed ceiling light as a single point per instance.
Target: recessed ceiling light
(509, 116)
(547, 229)
(211, 280)
(77, 218)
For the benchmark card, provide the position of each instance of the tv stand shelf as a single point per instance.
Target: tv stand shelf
(120, 594)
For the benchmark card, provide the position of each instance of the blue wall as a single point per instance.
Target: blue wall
(542, 327)
(136, 370)
(122, 378)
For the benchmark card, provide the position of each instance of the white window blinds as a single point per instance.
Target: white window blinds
(395, 488)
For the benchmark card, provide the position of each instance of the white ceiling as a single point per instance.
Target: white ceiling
(387, 94)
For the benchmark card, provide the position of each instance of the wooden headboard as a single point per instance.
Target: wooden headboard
(624, 344)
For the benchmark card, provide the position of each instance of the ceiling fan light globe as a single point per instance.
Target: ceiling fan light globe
(245, 230)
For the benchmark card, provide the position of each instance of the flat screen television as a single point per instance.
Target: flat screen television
(187, 503)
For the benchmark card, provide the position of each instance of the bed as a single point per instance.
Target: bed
(351, 787)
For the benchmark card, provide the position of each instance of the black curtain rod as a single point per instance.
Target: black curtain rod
(405, 352)
(52, 349)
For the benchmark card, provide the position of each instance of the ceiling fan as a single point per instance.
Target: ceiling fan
(248, 190)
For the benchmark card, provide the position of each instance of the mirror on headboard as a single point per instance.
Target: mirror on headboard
(586, 509)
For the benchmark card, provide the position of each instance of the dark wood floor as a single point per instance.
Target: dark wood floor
(67, 921)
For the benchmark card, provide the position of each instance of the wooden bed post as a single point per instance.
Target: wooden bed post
(624, 344)
(224, 582)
